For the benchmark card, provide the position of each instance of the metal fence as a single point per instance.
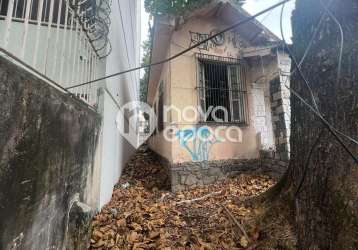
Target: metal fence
(62, 39)
(222, 86)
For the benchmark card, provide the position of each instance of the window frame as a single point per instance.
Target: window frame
(242, 93)
(160, 107)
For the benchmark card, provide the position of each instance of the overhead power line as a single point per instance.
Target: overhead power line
(318, 26)
(186, 50)
(314, 109)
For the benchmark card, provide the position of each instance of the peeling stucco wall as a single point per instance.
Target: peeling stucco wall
(194, 162)
(47, 146)
(180, 85)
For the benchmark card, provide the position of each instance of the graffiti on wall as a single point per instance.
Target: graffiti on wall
(233, 37)
(196, 38)
(197, 141)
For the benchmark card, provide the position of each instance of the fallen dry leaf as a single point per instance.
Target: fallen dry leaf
(153, 235)
(143, 214)
(243, 241)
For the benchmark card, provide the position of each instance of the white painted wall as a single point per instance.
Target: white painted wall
(125, 30)
(125, 39)
(62, 55)
(50, 47)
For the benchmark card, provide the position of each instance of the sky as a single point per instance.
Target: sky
(271, 20)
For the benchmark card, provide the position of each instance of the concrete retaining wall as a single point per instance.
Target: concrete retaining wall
(47, 145)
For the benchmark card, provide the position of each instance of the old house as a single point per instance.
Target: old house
(223, 106)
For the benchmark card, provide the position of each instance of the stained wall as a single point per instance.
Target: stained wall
(47, 148)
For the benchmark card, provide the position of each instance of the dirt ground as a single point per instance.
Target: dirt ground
(143, 214)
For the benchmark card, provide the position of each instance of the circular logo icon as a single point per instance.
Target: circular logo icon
(219, 39)
(136, 122)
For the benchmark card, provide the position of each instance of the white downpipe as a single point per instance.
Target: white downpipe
(26, 28)
(39, 20)
(8, 19)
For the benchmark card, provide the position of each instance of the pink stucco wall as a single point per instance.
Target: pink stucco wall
(180, 81)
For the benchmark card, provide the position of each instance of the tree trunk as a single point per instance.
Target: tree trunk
(326, 206)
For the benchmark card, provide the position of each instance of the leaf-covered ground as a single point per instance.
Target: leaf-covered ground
(143, 214)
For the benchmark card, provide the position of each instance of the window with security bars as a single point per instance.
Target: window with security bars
(222, 89)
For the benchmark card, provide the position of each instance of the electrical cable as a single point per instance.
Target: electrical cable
(312, 40)
(342, 40)
(253, 38)
(315, 110)
(45, 78)
(246, 20)
(340, 55)
(325, 122)
(308, 160)
(318, 114)
(304, 57)
(318, 26)
(294, 59)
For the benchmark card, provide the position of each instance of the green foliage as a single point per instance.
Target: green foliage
(145, 61)
(176, 7)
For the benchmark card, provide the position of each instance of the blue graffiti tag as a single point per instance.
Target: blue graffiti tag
(202, 139)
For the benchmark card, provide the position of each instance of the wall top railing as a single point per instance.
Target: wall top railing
(62, 39)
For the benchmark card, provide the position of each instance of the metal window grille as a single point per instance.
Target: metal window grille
(61, 39)
(161, 107)
(222, 89)
(160, 113)
(156, 111)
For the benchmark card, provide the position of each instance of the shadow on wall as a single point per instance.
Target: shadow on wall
(47, 144)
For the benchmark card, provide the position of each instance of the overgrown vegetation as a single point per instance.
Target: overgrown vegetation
(144, 214)
(175, 7)
(145, 61)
